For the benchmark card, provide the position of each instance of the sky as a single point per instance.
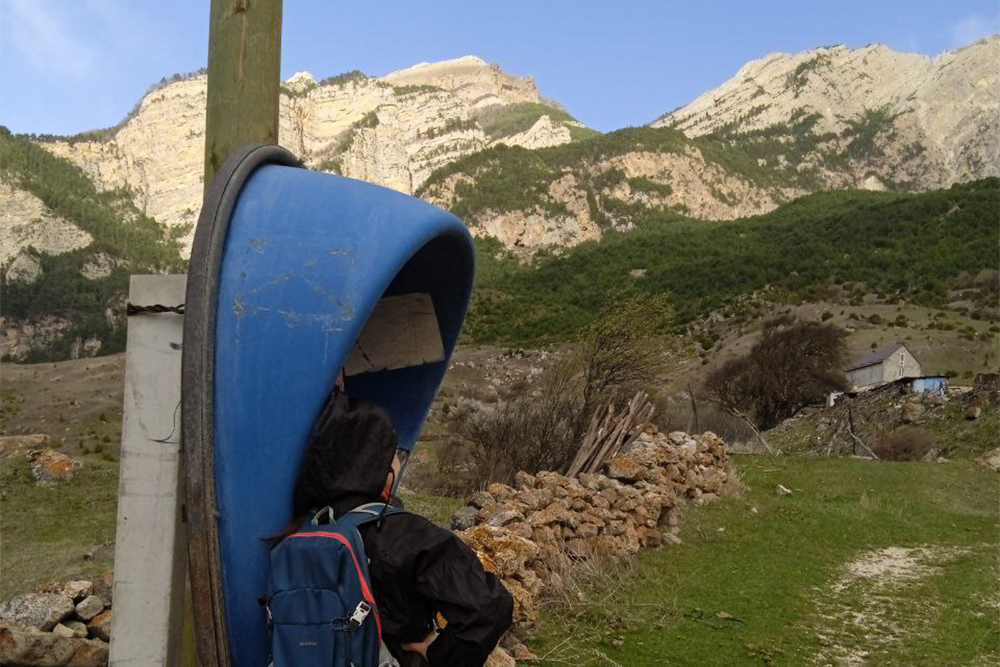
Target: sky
(67, 66)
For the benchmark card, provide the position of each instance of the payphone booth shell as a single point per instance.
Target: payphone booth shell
(287, 267)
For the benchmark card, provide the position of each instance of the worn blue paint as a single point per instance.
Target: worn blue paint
(929, 384)
(306, 258)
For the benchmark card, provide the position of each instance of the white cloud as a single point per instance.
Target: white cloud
(40, 36)
(973, 28)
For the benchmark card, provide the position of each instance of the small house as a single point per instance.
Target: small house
(884, 365)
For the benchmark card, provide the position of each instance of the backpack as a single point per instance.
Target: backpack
(320, 607)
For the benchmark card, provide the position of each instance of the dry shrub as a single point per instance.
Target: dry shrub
(540, 426)
(535, 431)
(904, 444)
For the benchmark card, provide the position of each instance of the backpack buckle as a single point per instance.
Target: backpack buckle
(358, 617)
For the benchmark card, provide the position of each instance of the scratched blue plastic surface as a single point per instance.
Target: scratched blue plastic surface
(307, 257)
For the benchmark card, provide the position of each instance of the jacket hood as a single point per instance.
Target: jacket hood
(348, 457)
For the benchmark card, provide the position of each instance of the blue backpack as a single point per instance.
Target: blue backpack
(320, 607)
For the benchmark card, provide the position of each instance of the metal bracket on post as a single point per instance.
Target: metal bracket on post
(150, 549)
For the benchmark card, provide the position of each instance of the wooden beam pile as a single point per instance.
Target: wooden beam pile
(610, 432)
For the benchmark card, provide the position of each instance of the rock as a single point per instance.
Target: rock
(90, 607)
(36, 610)
(464, 518)
(932, 454)
(991, 459)
(626, 469)
(500, 658)
(912, 410)
(523, 480)
(75, 590)
(51, 467)
(522, 652)
(481, 499)
(504, 517)
(16, 445)
(77, 628)
(26, 268)
(783, 490)
(706, 498)
(64, 631)
(100, 625)
(670, 538)
(28, 646)
(501, 492)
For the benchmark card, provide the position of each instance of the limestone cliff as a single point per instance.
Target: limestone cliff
(393, 131)
(899, 119)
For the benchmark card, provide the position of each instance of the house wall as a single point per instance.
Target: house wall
(865, 376)
(901, 364)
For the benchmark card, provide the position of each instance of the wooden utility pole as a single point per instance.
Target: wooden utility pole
(244, 65)
(244, 87)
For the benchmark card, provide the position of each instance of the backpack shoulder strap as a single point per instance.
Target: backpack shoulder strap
(367, 513)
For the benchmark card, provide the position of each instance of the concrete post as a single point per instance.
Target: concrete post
(150, 552)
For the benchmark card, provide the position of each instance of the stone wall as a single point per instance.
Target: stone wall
(528, 533)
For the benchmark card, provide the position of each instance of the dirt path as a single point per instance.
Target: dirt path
(867, 610)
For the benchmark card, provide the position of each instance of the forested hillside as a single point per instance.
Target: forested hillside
(124, 241)
(840, 245)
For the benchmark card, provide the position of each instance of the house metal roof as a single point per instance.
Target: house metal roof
(876, 357)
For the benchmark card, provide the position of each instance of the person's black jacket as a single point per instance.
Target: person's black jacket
(416, 567)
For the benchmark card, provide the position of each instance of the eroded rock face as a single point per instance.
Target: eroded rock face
(19, 337)
(391, 131)
(25, 221)
(529, 534)
(540, 135)
(944, 108)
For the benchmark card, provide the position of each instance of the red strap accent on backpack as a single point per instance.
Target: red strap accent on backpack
(365, 592)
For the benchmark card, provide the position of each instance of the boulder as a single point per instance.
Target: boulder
(17, 445)
(90, 607)
(481, 499)
(991, 460)
(77, 628)
(499, 658)
(911, 411)
(36, 610)
(100, 625)
(20, 645)
(464, 518)
(504, 517)
(51, 467)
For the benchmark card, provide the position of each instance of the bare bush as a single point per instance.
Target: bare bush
(904, 444)
(792, 365)
(538, 430)
(541, 427)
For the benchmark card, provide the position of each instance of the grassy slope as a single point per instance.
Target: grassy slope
(905, 246)
(48, 531)
(774, 569)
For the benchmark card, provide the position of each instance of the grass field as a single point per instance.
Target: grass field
(865, 563)
(54, 533)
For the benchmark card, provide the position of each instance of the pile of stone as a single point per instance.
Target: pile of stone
(527, 533)
(64, 625)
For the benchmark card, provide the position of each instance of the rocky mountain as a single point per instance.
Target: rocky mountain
(78, 214)
(902, 120)
(393, 130)
(784, 126)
